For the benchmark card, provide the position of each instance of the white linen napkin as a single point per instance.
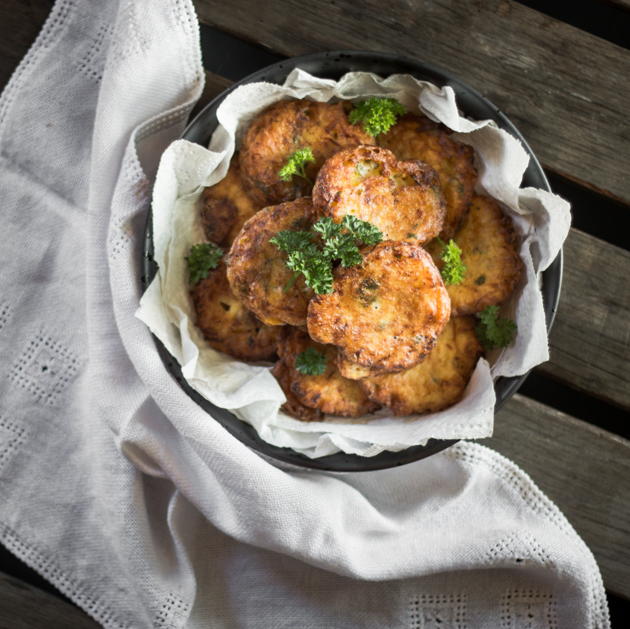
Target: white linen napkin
(122, 492)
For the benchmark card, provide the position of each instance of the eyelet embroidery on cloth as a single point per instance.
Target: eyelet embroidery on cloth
(44, 369)
(183, 16)
(474, 454)
(130, 39)
(92, 63)
(173, 613)
(120, 236)
(184, 19)
(528, 609)
(162, 122)
(5, 313)
(519, 549)
(83, 596)
(506, 471)
(438, 611)
(11, 437)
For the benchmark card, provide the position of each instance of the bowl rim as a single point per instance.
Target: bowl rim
(198, 130)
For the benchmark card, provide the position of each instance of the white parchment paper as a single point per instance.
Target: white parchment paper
(250, 391)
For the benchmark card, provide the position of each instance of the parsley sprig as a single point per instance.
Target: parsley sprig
(453, 269)
(493, 330)
(296, 164)
(377, 114)
(202, 259)
(310, 362)
(313, 253)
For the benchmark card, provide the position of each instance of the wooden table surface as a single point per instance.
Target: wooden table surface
(564, 79)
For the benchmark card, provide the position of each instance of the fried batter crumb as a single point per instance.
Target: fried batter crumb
(393, 323)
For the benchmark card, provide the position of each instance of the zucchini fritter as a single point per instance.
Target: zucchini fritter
(386, 313)
(226, 324)
(293, 406)
(417, 137)
(226, 206)
(437, 382)
(402, 199)
(330, 392)
(280, 130)
(256, 268)
(489, 250)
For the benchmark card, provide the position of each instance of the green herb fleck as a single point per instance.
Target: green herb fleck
(313, 253)
(453, 269)
(480, 280)
(201, 260)
(296, 164)
(376, 114)
(310, 362)
(494, 331)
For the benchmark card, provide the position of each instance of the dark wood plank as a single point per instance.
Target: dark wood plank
(590, 341)
(624, 4)
(23, 606)
(559, 84)
(215, 84)
(20, 21)
(584, 470)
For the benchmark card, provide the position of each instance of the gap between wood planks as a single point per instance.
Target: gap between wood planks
(561, 86)
(583, 469)
(590, 341)
(595, 513)
(607, 19)
(611, 221)
(596, 318)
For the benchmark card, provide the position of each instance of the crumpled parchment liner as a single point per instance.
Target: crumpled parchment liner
(250, 391)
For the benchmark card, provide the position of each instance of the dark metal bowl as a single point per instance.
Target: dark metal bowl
(333, 65)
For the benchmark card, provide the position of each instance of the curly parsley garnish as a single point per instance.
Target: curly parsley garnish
(201, 260)
(312, 253)
(310, 362)
(378, 115)
(493, 330)
(453, 269)
(296, 164)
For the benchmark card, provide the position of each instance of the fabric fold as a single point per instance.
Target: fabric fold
(146, 523)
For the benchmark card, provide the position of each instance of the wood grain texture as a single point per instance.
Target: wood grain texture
(584, 470)
(561, 86)
(590, 341)
(214, 85)
(23, 606)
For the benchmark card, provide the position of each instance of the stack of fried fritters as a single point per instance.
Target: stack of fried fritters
(392, 334)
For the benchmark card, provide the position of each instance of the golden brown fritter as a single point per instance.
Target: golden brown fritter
(283, 128)
(256, 268)
(226, 324)
(330, 392)
(402, 199)
(351, 370)
(226, 206)
(386, 313)
(293, 406)
(437, 382)
(417, 137)
(489, 250)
